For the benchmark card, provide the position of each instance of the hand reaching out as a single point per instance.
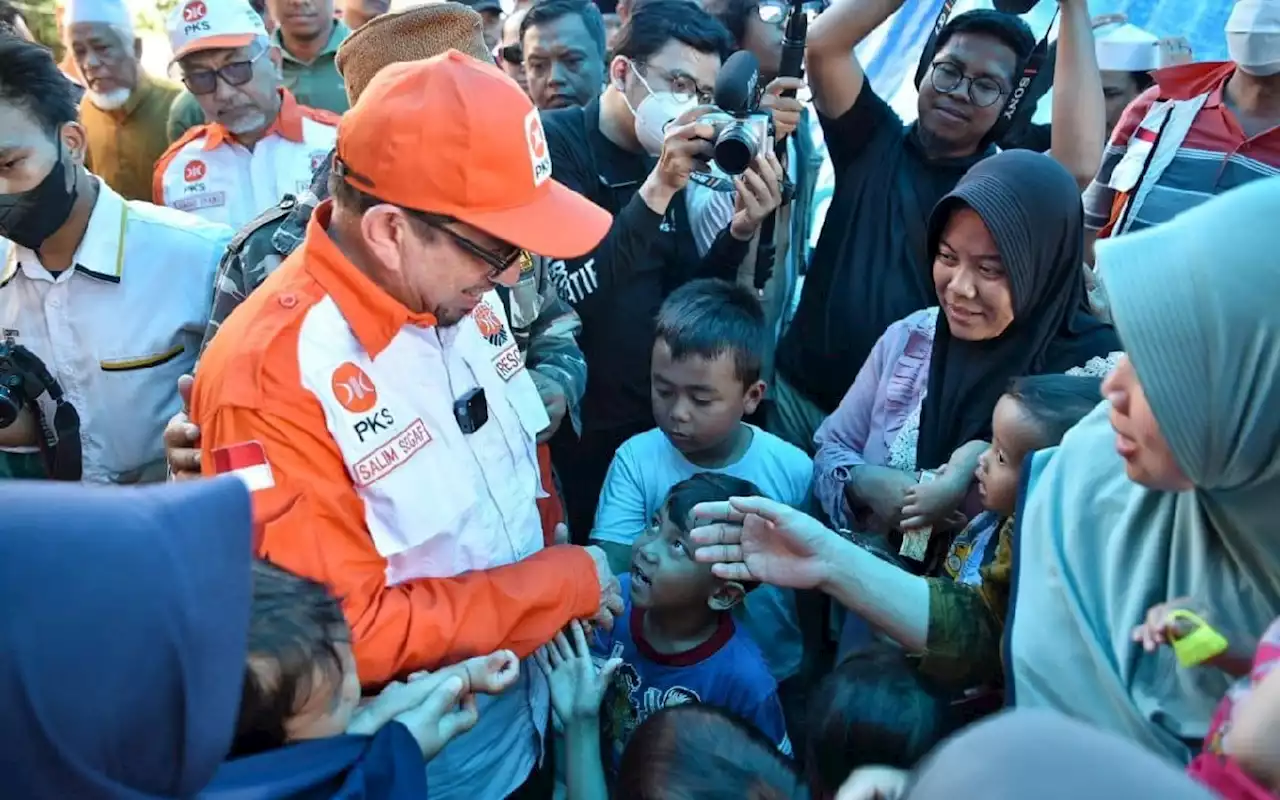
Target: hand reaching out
(751, 538)
(1161, 627)
(577, 685)
(933, 502)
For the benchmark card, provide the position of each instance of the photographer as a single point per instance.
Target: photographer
(665, 63)
(109, 297)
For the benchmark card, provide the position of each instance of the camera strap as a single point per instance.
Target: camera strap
(1033, 79)
(60, 446)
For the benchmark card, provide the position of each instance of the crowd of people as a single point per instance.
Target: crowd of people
(407, 400)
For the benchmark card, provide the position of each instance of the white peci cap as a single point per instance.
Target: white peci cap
(1126, 48)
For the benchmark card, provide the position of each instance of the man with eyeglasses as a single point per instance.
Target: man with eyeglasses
(620, 151)
(870, 266)
(509, 54)
(371, 395)
(260, 144)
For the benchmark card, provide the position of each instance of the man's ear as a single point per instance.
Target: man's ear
(754, 396)
(727, 595)
(75, 141)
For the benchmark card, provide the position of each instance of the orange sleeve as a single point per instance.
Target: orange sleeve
(312, 523)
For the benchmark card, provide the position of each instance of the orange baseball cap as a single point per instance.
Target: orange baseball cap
(456, 137)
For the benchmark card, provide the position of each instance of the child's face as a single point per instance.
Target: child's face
(699, 402)
(1013, 436)
(329, 706)
(663, 572)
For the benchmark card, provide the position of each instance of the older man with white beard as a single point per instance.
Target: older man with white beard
(124, 110)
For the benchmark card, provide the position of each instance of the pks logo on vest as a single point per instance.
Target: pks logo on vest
(491, 327)
(353, 389)
(194, 171)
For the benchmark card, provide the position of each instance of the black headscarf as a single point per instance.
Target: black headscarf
(1032, 208)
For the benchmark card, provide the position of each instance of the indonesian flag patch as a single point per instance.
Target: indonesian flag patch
(248, 462)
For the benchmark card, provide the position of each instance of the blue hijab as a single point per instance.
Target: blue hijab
(123, 652)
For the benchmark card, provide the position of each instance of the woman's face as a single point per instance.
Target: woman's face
(970, 279)
(1147, 457)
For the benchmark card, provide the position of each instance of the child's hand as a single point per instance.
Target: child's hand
(491, 674)
(874, 783)
(577, 687)
(931, 503)
(435, 709)
(1161, 627)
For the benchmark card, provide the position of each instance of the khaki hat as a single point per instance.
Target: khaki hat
(414, 34)
(455, 137)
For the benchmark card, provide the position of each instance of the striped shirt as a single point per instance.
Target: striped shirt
(1215, 156)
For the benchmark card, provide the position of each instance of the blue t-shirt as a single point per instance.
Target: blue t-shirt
(643, 472)
(727, 671)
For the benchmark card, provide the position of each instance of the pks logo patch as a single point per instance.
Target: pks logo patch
(318, 158)
(539, 153)
(194, 171)
(490, 325)
(353, 389)
(194, 11)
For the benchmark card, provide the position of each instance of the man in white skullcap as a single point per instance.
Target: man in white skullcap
(124, 110)
(1127, 55)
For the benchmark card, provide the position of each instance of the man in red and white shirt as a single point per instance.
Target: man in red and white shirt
(260, 144)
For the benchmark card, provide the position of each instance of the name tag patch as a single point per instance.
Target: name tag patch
(398, 449)
(508, 362)
(199, 201)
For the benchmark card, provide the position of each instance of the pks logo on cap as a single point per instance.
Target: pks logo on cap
(194, 171)
(539, 154)
(194, 11)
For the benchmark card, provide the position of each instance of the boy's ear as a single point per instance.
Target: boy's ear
(727, 595)
(754, 396)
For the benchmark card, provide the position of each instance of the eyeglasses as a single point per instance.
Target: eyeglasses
(774, 12)
(205, 81)
(498, 261)
(511, 53)
(682, 86)
(983, 91)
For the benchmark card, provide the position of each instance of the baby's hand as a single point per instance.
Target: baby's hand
(577, 686)
(1161, 627)
(930, 503)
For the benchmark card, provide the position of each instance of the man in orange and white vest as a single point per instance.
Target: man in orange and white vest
(259, 143)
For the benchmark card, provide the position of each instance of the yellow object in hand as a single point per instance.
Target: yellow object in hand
(1198, 645)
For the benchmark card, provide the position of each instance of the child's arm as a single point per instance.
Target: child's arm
(577, 689)
(1161, 627)
(930, 503)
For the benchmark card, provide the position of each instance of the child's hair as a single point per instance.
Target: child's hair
(704, 487)
(709, 318)
(294, 628)
(698, 752)
(873, 709)
(1056, 403)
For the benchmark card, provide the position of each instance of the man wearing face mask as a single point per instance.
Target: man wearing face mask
(373, 397)
(112, 296)
(1212, 127)
(260, 143)
(665, 63)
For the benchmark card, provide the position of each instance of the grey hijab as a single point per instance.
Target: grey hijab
(1195, 302)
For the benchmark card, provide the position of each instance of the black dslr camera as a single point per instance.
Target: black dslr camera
(743, 131)
(15, 388)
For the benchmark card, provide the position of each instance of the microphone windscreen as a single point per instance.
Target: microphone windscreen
(736, 84)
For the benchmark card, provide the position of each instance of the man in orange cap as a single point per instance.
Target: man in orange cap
(372, 396)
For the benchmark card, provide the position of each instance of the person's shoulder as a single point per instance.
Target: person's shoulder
(560, 122)
(192, 137)
(747, 671)
(647, 444)
(924, 321)
(163, 229)
(320, 116)
(792, 459)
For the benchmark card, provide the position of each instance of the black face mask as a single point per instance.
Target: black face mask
(28, 218)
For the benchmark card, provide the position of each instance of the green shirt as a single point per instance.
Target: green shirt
(185, 114)
(125, 144)
(317, 84)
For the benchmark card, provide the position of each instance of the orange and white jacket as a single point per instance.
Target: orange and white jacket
(208, 173)
(430, 536)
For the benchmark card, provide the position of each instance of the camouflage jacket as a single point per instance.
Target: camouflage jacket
(545, 326)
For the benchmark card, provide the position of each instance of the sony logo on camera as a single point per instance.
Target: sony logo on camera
(1012, 107)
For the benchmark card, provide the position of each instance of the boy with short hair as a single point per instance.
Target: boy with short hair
(676, 639)
(711, 340)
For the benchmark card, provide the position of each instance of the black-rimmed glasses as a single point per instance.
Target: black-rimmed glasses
(205, 81)
(774, 12)
(983, 91)
(498, 261)
(511, 53)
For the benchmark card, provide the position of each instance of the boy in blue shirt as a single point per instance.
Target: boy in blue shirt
(676, 639)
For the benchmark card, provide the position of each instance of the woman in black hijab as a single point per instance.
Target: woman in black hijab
(1018, 311)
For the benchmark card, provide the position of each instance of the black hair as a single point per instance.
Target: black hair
(30, 78)
(711, 317)
(733, 15)
(698, 752)
(1056, 403)
(873, 709)
(10, 16)
(704, 487)
(656, 22)
(1143, 80)
(1009, 29)
(545, 11)
(295, 627)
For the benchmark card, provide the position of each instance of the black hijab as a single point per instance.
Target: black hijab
(1032, 208)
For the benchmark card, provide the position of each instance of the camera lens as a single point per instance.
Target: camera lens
(735, 148)
(8, 408)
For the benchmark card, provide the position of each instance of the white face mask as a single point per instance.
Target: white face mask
(654, 114)
(1253, 36)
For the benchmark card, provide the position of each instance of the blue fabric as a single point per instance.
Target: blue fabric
(122, 643)
(729, 673)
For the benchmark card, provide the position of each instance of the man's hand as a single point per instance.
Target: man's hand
(755, 539)
(181, 438)
(786, 111)
(758, 194)
(610, 590)
(686, 148)
(555, 401)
